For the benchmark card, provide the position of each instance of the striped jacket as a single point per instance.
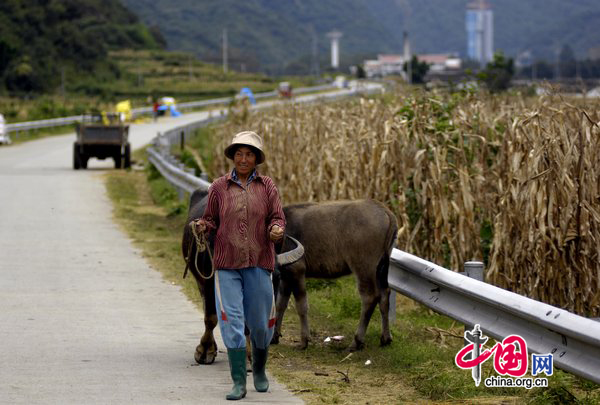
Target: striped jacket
(242, 218)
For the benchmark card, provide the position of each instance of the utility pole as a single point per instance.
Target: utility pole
(224, 50)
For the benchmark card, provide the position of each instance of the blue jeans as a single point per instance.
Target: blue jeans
(245, 297)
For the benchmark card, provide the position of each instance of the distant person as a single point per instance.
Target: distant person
(155, 106)
(245, 213)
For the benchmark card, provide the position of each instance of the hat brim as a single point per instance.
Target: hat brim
(230, 151)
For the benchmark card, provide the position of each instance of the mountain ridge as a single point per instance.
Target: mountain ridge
(272, 36)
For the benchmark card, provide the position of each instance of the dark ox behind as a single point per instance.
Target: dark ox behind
(340, 238)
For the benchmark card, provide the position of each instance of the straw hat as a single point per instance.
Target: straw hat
(247, 138)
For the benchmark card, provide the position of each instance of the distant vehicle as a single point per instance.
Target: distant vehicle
(4, 138)
(102, 140)
(285, 90)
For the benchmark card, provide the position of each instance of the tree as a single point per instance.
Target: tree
(498, 73)
(418, 70)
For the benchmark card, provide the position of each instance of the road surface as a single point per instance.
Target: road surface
(83, 317)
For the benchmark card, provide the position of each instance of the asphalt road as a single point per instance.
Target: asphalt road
(83, 317)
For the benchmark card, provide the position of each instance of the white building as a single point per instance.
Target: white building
(441, 62)
(386, 65)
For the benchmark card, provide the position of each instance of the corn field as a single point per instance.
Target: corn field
(504, 179)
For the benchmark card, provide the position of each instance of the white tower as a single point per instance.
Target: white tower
(335, 48)
(480, 31)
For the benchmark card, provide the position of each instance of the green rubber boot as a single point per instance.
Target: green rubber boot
(237, 366)
(259, 361)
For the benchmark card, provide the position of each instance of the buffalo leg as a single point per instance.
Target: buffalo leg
(283, 298)
(384, 308)
(206, 351)
(302, 309)
(369, 300)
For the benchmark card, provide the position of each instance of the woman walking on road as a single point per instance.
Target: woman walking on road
(244, 211)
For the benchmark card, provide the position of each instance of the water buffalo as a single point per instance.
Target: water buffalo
(339, 238)
(200, 267)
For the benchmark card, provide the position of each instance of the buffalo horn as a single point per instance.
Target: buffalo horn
(293, 255)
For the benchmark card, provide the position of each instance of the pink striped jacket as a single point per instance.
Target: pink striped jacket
(242, 218)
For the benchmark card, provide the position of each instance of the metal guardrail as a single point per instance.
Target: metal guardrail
(574, 341)
(54, 122)
(175, 172)
(226, 100)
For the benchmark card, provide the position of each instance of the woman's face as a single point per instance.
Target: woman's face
(244, 160)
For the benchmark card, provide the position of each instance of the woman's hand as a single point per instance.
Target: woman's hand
(200, 225)
(276, 233)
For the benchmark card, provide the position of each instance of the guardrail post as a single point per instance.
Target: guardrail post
(392, 310)
(473, 269)
(182, 141)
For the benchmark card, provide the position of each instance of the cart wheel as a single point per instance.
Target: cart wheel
(127, 162)
(76, 158)
(83, 159)
(117, 159)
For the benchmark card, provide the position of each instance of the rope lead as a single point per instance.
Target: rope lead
(201, 246)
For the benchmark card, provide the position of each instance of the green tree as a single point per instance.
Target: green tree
(498, 73)
(41, 38)
(418, 70)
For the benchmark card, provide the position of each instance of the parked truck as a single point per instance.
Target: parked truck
(102, 140)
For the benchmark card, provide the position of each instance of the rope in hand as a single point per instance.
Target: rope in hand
(201, 246)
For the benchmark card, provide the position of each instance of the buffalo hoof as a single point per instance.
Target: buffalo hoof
(385, 341)
(205, 356)
(356, 345)
(303, 344)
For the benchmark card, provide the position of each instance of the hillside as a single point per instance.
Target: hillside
(277, 37)
(157, 73)
(42, 41)
(263, 34)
